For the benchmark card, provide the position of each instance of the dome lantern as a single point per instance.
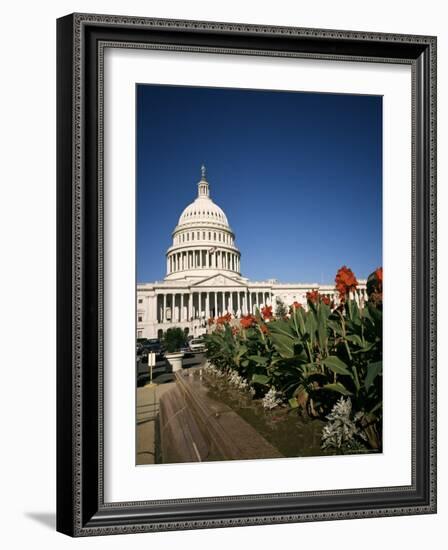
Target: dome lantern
(203, 190)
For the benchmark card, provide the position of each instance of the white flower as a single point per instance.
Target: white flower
(270, 400)
(341, 429)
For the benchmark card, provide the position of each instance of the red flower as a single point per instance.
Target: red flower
(267, 313)
(326, 300)
(345, 281)
(264, 329)
(211, 321)
(224, 319)
(313, 296)
(296, 305)
(379, 278)
(248, 321)
(235, 331)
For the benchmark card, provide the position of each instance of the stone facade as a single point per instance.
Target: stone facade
(203, 277)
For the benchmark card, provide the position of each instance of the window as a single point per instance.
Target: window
(140, 300)
(139, 333)
(140, 319)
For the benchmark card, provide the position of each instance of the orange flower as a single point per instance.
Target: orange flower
(264, 329)
(267, 313)
(345, 281)
(211, 321)
(248, 321)
(379, 278)
(224, 319)
(313, 296)
(235, 331)
(296, 305)
(326, 300)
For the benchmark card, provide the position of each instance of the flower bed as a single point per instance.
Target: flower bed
(322, 362)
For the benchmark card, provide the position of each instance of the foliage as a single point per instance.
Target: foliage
(312, 356)
(174, 339)
(280, 308)
(375, 287)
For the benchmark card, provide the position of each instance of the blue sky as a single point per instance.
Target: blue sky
(299, 176)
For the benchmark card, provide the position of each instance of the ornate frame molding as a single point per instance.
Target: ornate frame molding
(81, 42)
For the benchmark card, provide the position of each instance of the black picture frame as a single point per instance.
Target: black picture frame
(81, 510)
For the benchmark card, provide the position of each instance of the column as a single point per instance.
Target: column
(207, 306)
(163, 308)
(249, 302)
(238, 302)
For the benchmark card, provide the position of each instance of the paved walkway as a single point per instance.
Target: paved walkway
(147, 411)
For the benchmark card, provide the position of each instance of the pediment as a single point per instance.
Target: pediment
(219, 281)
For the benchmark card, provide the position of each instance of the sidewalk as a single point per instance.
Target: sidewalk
(147, 410)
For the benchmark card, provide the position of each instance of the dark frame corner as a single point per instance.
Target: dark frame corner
(81, 510)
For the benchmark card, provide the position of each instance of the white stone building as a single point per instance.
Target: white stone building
(203, 276)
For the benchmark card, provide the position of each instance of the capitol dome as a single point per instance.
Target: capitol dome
(203, 242)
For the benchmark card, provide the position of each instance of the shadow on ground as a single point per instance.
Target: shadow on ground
(48, 519)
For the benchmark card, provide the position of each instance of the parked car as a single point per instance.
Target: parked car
(197, 344)
(152, 344)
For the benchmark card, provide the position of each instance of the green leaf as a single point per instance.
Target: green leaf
(336, 365)
(258, 359)
(322, 314)
(311, 325)
(297, 318)
(283, 344)
(260, 379)
(336, 326)
(373, 370)
(293, 403)
(337, 387)
(354, 339)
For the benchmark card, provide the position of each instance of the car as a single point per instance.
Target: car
(197, 344)
(152, 344)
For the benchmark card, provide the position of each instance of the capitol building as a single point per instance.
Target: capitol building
(203, 276)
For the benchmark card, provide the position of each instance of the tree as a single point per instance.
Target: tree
(280, 308)
(174, 339)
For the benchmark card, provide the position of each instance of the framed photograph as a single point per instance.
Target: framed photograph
(246, 274)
